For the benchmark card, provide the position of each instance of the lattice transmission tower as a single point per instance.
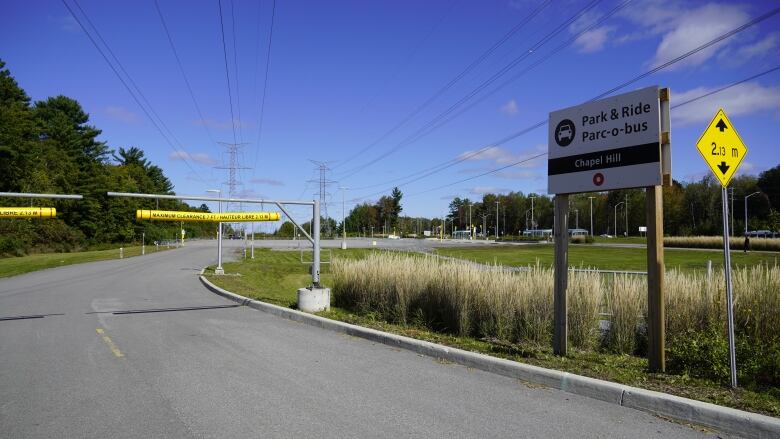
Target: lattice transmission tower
(323, 182)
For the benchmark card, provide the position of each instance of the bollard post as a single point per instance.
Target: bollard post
(121, 253)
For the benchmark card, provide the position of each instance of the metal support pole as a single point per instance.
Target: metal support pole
(253, 240)
(560, 330)
(219, 269)
(143, 243)
(496, 220)
(591, 216)
(315, 269)
(729, 288)
(746, 210)
(656, 313)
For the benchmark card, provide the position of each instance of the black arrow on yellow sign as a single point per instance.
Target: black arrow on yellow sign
(722, 126)
(723, 167)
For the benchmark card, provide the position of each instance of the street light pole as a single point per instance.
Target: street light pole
(625, 208)
(496, 219)
(219, 269)
(471, 225)
(746, 215)
(591, 215)
(616, 206)
(343, 219)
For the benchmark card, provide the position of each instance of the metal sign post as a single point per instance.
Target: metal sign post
(722, 149)
(729, 288)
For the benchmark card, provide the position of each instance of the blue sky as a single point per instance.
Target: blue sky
(343, 74)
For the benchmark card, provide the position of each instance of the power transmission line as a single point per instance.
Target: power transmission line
(265, 87)
(235, 70)
(536, 46)
(719, 90)
(227, 71)
(454, 80)
(629, 82)
(410, 56)
(181, 69)
(148, 112)
(437, 122)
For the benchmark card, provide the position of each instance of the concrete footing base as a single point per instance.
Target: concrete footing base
(313, 299)
(219, 271)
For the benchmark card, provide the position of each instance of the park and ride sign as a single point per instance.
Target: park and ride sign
(613, 143)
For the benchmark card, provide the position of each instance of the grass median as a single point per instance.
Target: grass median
(274, 276)
(13, 266)
(606, 258)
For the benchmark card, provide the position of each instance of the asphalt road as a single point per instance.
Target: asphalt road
(82, 371)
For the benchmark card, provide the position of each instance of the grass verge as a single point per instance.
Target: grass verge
(606, 258)
(13, 266)
(274, 276)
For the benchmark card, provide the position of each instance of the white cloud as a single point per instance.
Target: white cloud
(757, 49)
(66, 23)
(223, 125)
(593, 40)
(121, 114)
(746, 98)
(482, 190)
(683, 29)
(695, 28)
(498, 156)
(510, 108)
(201, 158)
(268, 181)
(519, 174)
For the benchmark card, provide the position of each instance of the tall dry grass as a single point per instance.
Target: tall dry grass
(488, 301)
(735, 243)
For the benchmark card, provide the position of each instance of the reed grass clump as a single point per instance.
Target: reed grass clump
(735, 243)
(468, 299)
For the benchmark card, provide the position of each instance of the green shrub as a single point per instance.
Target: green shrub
(703, 354)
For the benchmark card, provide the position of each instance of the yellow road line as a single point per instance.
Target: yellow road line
(110, 343)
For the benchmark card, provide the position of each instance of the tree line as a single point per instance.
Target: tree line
(49, 146)
(690, 209)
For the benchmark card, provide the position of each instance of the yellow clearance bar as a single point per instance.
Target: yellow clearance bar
(230, 217)
(28, 212)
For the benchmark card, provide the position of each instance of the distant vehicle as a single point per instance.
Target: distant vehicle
(393, 237)
(606, 235)
(564, 132)
(763, 234)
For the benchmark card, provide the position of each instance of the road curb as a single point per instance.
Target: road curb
(733, 421)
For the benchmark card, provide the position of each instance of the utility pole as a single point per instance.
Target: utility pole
(233, 166)
(343, 219)
(626, 215)
(746, 216)
(533, 225)
(591, 215)
(496, 219)
(219, 269)
(616, 206)
(471, 225)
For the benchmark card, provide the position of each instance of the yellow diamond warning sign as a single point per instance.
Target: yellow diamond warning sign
(722, 148)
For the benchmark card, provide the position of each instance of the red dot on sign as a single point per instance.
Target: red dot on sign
(598, 179)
